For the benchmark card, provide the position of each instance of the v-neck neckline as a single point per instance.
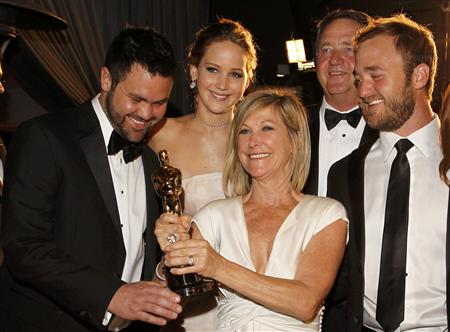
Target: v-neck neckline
(274, 243)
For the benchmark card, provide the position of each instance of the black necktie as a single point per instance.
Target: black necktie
(131, 150)
(391, 285)
(332, 118)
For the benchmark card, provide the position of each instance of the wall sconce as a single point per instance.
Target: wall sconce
(296, 54)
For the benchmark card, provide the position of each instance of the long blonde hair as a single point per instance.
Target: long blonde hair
(236, 181)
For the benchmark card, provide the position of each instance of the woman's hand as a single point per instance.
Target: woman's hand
(170, 228)
(193, 256)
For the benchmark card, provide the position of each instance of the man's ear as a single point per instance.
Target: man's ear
(105, 80)
(420, 76)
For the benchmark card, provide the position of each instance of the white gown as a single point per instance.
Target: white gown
(223, 225)
(200, 313)
(200, 190)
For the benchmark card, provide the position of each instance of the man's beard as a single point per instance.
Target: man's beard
(397, 110)
(117, 120)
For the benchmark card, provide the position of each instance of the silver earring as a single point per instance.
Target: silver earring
(193, 84)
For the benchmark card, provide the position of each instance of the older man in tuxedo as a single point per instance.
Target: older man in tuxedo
(336, 126)
(396, 202)
(79, 208)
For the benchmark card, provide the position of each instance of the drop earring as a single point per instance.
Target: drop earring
(193, 84)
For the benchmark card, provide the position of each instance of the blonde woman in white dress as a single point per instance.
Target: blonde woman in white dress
(274, 251)
(221, 64)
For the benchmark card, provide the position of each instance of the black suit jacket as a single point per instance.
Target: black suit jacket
(346, 184)
(312, 182)
(61, 233)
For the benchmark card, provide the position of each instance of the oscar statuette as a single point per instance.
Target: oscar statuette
(167, 183)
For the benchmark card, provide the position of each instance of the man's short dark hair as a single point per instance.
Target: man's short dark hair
(143, 46)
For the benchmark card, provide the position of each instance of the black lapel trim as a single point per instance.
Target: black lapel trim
(356, 193)
(93, 147)
(368, 135)
(312, 183)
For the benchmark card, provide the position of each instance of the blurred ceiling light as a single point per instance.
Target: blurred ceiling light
(296, 54)
(295, 50)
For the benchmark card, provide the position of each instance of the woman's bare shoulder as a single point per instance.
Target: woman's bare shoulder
(168, 131)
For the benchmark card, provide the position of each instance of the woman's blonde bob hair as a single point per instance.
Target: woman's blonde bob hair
(236, 181)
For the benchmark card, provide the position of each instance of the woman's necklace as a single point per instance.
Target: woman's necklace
(211, 126)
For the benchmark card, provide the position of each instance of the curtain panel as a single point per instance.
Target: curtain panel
(73, 57)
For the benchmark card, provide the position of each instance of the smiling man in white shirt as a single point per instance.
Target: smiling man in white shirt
(397, 203)
(79, 208)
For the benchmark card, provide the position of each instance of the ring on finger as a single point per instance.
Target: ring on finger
(171, 238)
(191, 260)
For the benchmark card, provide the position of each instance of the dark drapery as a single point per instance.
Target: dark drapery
(73, 58)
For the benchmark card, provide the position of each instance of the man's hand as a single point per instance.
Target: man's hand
(147, 301)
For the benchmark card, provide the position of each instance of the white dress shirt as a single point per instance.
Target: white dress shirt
(129, 187)
(335, 144)
(425, 294)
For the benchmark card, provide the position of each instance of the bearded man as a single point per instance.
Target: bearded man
(79, 208)
(396, 271)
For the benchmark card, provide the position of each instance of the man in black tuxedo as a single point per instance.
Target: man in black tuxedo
(331, 138)
(79, 207)
(396, 202)
(336, 127)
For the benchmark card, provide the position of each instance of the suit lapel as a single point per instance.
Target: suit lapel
(312, 183)
(356, 193)
(93, 147)
(367, 135)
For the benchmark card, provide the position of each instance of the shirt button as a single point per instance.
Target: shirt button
(343, 135)
(121, 191)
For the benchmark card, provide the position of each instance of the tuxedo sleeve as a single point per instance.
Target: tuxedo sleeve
(31, 216)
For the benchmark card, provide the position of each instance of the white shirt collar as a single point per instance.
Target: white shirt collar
(423, 139)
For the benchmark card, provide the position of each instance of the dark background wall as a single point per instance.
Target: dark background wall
(272, 23)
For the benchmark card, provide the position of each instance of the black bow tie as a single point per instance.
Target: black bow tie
(131, 150)
(332, 118)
